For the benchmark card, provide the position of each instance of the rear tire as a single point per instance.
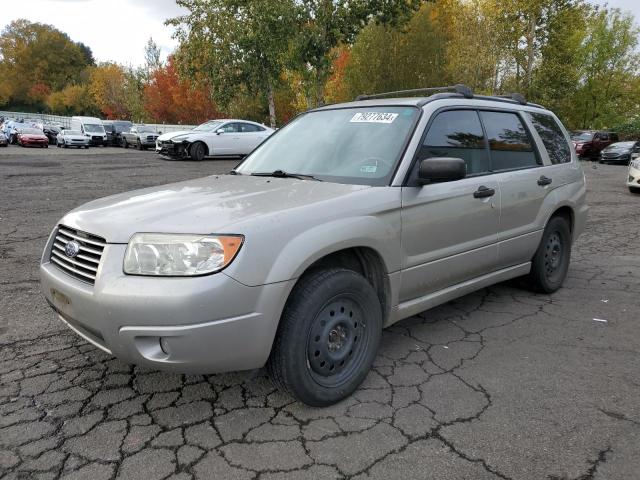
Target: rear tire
(197, 151)
(327, 338)
(551, 262)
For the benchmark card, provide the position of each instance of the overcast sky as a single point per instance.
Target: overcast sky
(118, 30)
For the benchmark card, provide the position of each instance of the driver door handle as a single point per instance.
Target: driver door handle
(484, 192)
(544, 181)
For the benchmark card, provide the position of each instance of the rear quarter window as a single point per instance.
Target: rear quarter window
(552, 137)
(509, 142)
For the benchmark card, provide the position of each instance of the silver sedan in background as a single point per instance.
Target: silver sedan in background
(72, 138)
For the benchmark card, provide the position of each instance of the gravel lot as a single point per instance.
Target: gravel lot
(499, 384)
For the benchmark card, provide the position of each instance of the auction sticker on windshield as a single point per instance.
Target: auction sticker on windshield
(374, 117)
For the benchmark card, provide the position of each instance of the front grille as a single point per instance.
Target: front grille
(84, 266)
(99, 139)
(152, 138)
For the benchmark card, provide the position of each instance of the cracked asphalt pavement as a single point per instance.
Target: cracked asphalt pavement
(500, 384)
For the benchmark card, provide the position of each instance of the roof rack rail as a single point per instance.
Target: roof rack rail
(516, 97)
(463, 90)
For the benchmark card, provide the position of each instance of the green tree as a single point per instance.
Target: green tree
(386, 58)
(608, 89)
(240, 45)
(325, 24)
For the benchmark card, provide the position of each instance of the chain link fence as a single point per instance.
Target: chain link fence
(66, 121)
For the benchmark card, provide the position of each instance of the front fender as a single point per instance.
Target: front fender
(289, 258)
(309, 247)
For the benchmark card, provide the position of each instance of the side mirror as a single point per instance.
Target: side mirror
(219, 131)
(159, 132)
(441, 169)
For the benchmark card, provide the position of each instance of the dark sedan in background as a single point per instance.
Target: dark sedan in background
(619, 152)
(115, 129)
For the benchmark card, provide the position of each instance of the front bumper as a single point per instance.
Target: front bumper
(174, 150)
(633, 180)
(622, 158)
(207, 324)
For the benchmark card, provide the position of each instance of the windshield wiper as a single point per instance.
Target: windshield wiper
(283, 174)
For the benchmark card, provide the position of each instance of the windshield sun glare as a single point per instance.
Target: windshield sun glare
(350, 145)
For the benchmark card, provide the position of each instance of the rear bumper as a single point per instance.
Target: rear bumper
(189, 325)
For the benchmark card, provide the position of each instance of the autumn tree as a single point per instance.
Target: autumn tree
(172, 99)
(72, 100)
(37, 59)
(107, 87)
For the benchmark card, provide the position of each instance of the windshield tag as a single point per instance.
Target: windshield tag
(369, 169)
(374, 117)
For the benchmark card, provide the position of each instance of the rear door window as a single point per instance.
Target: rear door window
(552, 137)
(458, 134)
(509, 142)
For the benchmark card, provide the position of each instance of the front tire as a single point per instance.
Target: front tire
(551, 262)
(635, 190)
(197, 151)
(327, 338)
(125, 144)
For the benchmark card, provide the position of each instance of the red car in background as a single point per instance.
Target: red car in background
(28, 137)
(589, 143)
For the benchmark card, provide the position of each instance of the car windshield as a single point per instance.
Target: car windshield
(31, 131)
(93, 128)
(346, 145)
(72, 132)
(123, 126)
(584, 136)
(208, 127)
(146, 130)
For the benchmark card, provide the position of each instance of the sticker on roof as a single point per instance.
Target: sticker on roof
(374, 117)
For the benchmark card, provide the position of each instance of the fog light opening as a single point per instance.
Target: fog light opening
(164, 346)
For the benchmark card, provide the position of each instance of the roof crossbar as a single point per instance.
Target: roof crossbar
(463, 90)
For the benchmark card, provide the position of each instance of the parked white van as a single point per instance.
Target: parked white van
(91, 127)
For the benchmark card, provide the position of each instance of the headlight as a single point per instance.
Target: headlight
(179, 255)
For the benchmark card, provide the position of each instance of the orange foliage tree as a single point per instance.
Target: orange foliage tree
(171, 99)
(336, 89)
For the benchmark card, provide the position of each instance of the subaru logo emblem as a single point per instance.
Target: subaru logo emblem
(72, 249)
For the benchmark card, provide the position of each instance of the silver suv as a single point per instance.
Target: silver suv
(347, 220)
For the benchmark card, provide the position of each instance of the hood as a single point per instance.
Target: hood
(33, 136)
(216, 204)
(76, 137)
(170, 135)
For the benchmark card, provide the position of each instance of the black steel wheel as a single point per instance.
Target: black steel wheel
(550, 264)
(197, 151)
(337, 341)
(327, 338)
